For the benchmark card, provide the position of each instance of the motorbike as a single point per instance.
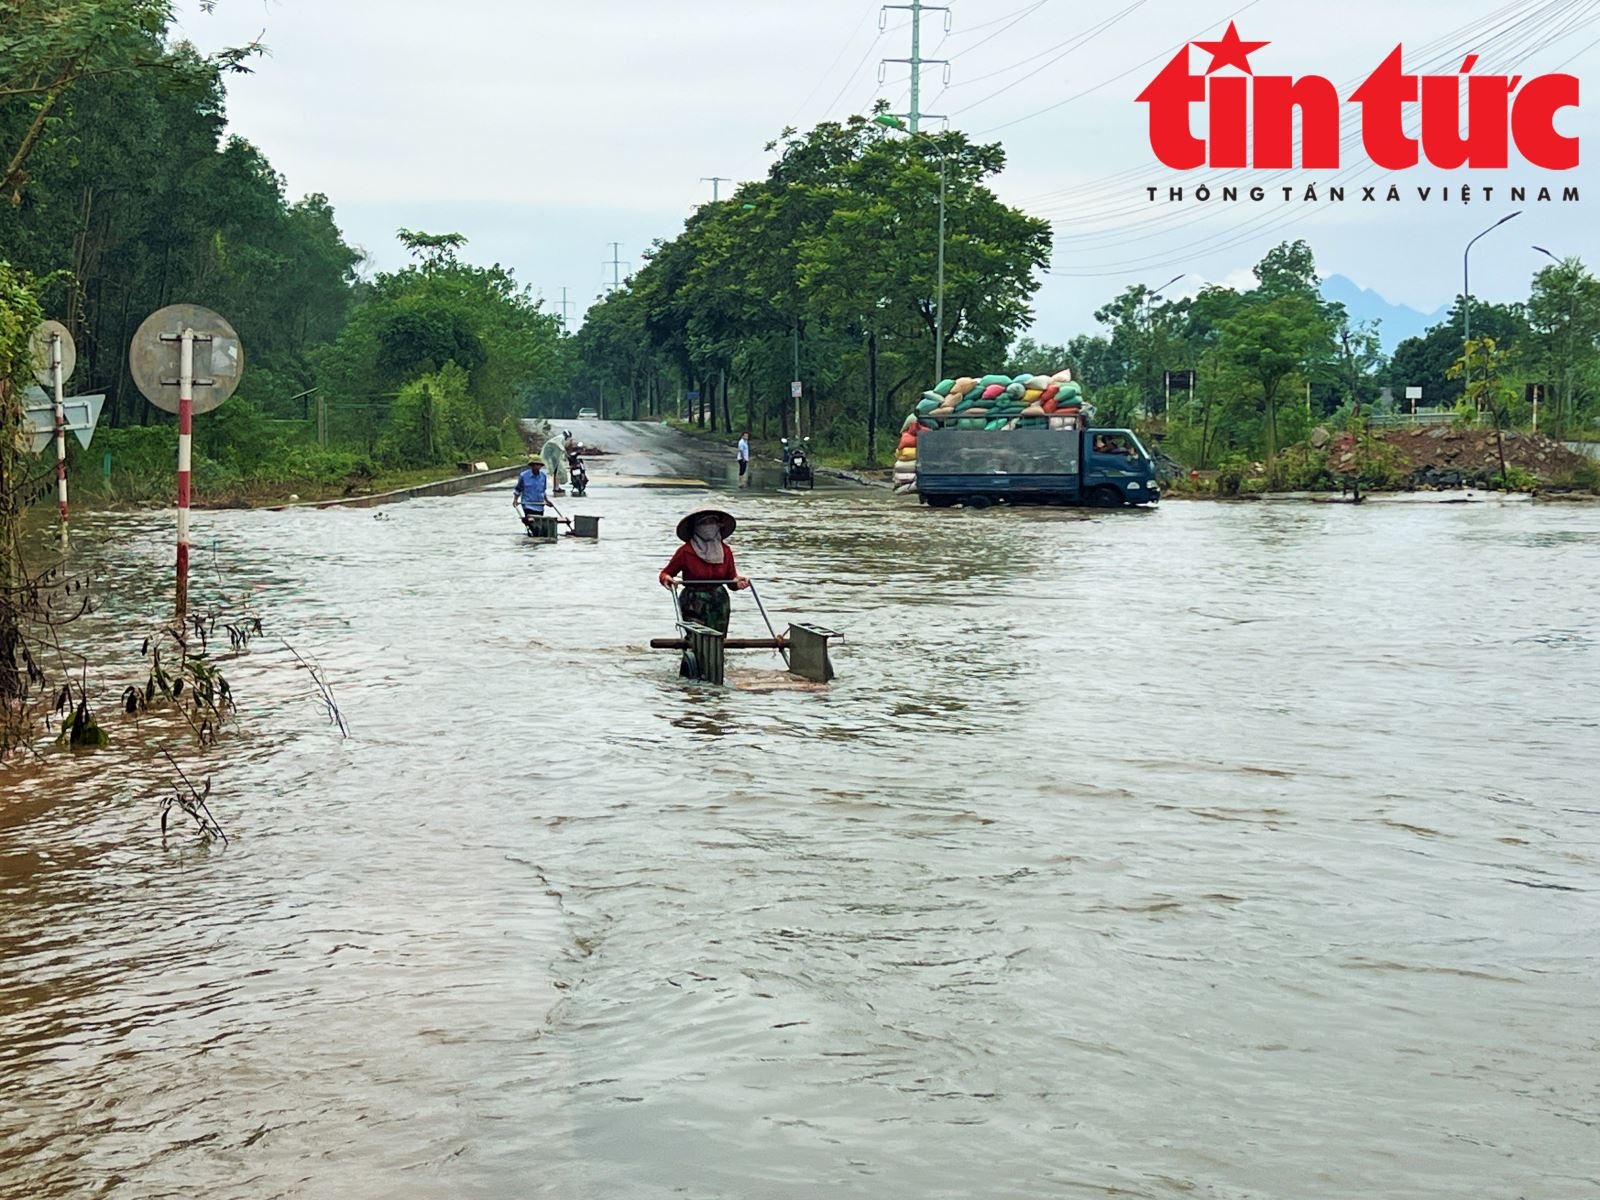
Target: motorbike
(797, 464)
(580, 476)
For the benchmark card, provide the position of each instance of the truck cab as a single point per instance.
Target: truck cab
(1114, 461)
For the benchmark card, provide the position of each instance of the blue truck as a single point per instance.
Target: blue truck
(1105, 468)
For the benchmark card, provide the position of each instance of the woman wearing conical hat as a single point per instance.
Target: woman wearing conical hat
(704, 566)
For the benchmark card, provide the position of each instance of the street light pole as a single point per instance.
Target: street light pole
(1466, 293)
(1149, 327)
(890, 121)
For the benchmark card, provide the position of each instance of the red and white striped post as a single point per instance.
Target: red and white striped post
(185, 457)
(61, 431)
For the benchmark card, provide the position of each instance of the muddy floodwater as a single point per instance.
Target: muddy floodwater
(1223, 851)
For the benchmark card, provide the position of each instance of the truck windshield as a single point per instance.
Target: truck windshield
(1121, 442)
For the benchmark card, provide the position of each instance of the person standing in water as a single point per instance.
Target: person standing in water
(704, 565)
(529, 494)
(744, 459)
(555, 464)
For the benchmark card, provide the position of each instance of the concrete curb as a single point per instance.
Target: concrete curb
(441, 487)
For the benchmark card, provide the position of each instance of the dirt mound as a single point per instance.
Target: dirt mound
(1447, 451)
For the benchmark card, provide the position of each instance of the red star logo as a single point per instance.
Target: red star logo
(1230, 51)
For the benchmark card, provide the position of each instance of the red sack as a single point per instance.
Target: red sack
(992, 391)
(1049, 405)
(908, 440)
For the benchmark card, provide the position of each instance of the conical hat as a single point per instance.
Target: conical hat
(686, 526)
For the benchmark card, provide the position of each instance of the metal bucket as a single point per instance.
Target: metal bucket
(703, 656)
(808, 652)
(585, 526)
(541, 529)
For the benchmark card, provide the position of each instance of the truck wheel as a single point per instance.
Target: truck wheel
(1106, 496)
(939, 501)
(978, 502)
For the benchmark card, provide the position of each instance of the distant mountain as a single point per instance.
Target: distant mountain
(1396, 321)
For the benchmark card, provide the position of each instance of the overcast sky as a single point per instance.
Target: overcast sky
(545, 131)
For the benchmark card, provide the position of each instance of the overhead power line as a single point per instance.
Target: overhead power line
(1122, 75)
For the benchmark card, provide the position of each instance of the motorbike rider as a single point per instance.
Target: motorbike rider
(575, 468)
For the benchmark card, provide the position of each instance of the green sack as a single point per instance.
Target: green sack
(990, 380)
(1069, 391)
(1016, 391)
(1033, 422)
(944, 387)
(1001, 423)
(970, 423)
(1024, 380)
(911, 423)
(928, 404)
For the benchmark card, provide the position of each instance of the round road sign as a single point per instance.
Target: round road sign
(41, 352)
(154, 357)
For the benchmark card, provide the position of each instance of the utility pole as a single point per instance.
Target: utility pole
(565, 304)
(616, 265)
(714, 181)
(916, 62)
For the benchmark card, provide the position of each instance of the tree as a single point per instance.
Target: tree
(413, 324)
(434, 250)
(47, 47)
(1288, 269)
(1482, 367)
(1037, 358)
(1564, 318)
(831, 263)
(19, 317)
(1269, 339)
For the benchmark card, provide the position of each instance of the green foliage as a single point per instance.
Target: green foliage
(1563, 348)
(1584, 477)
(19, 317)
(49, 47)
(434, 419)
(1301, 469)
(1519, 479)
(1482, 368)
(1037, 358)
(471, 331)
(1425, 361)
(1272, 363)
(435, 250)
(832, 259)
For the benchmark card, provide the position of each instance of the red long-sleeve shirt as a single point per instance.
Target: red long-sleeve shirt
(695, 569)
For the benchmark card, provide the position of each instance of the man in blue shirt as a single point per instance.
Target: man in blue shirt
(744, 459)
(529, 494)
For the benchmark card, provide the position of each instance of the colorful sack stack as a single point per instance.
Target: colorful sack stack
(992, 402)
(905, 455)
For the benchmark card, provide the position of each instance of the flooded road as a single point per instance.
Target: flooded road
(1224, 850)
